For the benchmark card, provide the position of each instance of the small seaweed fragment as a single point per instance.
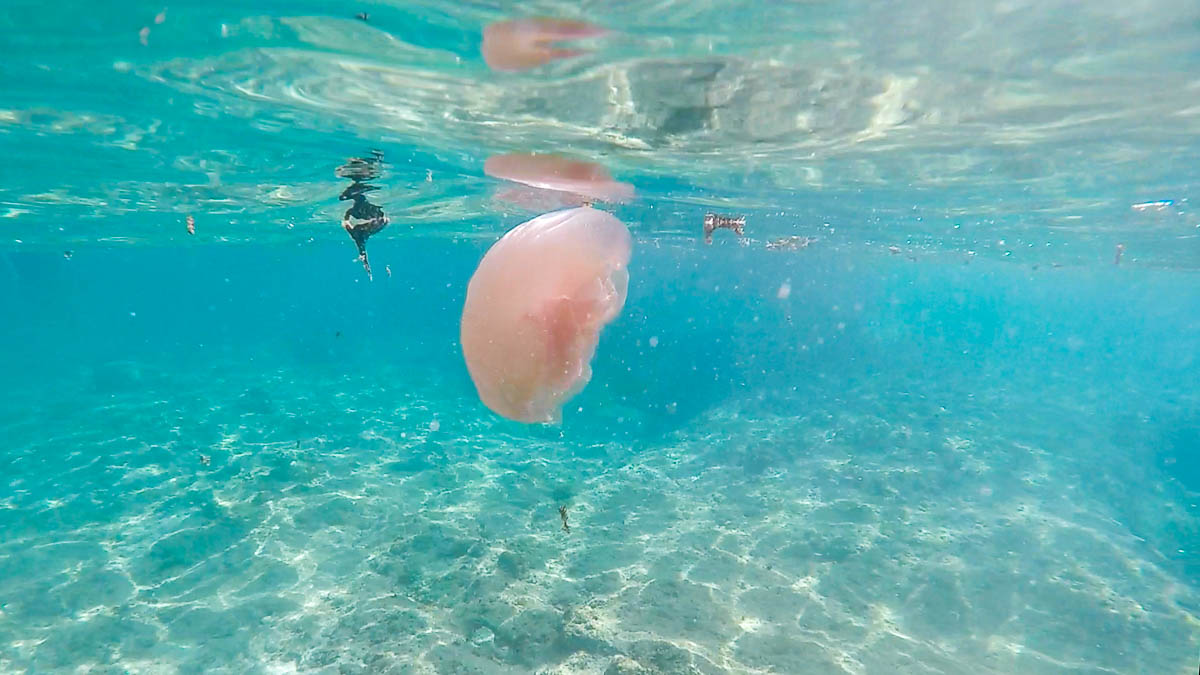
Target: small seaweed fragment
(793, 243)
(714, 222)
(562, 512)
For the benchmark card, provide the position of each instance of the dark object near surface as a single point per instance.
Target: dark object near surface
(363, 16)
(363, 218)
(361, 168)
(562, 512)
(714, 222)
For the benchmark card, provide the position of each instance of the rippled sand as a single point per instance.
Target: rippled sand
(238, 527)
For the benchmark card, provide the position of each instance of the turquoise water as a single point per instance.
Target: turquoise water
(956, 433)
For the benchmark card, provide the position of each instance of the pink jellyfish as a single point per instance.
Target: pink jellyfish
(535, 308)
(521, 44)
(557, 180)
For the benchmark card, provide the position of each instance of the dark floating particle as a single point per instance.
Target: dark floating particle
(205, 460)
(363, 16)
(68, 254)
(562, 512)
(714, 222)
(363, 219)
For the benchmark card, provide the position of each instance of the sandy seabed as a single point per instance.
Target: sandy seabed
(217, 526)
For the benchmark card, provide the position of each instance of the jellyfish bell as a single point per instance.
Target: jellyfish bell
(535, 308)
(577, 180)
(521, 44)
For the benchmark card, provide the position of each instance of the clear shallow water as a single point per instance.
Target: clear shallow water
(233, 453)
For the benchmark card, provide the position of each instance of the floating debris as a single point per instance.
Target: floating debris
(191, 225)
(68, 254)
(205, 460)
(714, 222)
(793, 243)
(363, 16)
(562, 512)
(1156, 205)
(363, 218)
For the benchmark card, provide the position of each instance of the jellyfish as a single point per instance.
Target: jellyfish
(535, 308)
(558, 180)
(520, 44)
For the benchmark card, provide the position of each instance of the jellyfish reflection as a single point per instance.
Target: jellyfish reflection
(363, 218)
(553, 181)
(520, 44)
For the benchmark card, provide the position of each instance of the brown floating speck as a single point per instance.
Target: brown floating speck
(713, 222)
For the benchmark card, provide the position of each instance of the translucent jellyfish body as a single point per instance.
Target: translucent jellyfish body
(535, 308)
